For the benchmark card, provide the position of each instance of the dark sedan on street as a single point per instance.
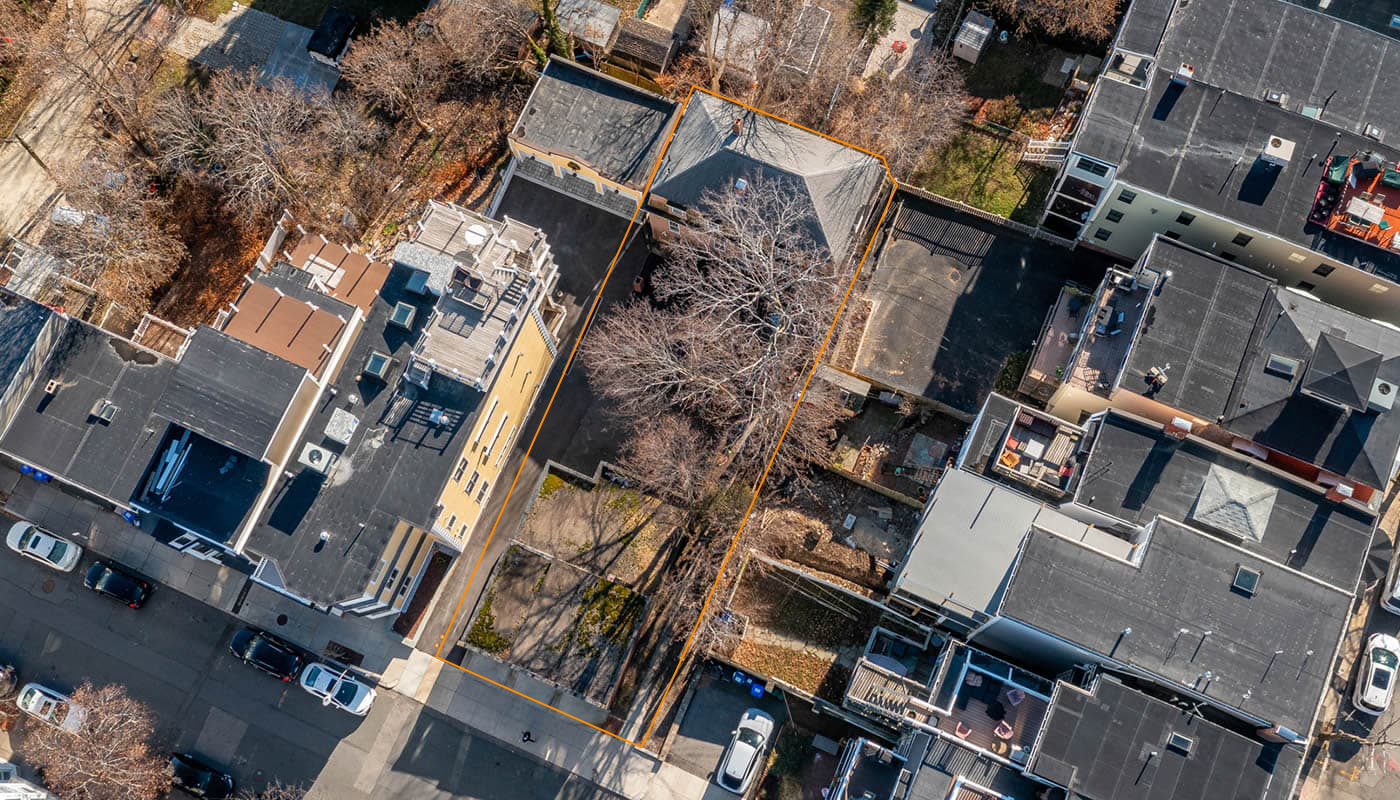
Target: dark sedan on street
(200, 778)
(268, 653)
(105, 577)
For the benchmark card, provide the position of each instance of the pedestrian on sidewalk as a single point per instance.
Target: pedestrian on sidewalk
(527, 737)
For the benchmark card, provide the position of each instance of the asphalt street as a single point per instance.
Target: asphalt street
(173, 655)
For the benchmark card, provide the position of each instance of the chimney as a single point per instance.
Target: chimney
(1340, 493)
(1183, 74)
(738, 126)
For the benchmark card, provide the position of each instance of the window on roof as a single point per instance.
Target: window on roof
(1246, 580)
(1242, 239)
(1114, 216)
(1323, 270)
(1305, 286)
(1173, 235)
(1180, 743)
(1185, 218)
(1379, 288)
(1282, 366)
(377, 365)
(1127, 196)
(1228, 256)
(1102, 234)
(1297, 258)
(1092, 167)
(403, 315)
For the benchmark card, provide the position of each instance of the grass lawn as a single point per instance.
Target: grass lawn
(984, 171)
(308, 12)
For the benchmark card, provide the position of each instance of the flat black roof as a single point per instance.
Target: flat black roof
(230, 391)
(1111, 744)
(1184, 581)
(613, 127)
(1197, 326)
(211, 490)
(59, 433)
(393, 469)
(1136, 472)
(1142, 27)
(1338, 354)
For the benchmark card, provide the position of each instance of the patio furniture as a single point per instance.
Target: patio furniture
(1009, 459)
(973, 679)
(1015, 696)
(1003, 731)
(962, 730)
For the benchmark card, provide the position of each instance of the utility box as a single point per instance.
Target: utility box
(976, 30)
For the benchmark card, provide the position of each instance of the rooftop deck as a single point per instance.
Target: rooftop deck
(1360, 198)
(1055, 345)
(1039, 451)
(990, 704)
(1107, 336)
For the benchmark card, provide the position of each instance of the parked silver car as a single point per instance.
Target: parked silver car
(743, 759)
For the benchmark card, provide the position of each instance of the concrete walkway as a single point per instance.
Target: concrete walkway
(486, 708)
(244, 39)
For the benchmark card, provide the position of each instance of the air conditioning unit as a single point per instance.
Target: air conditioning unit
(1276, 97)
(1340, 492)
(1178, 428)
(318, 458)
(1183, 74)
(1372, 132)
(1278, 151)
(1382, 396)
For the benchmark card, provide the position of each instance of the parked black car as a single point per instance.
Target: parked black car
(113, 580)
(268, 653)
(200, 778)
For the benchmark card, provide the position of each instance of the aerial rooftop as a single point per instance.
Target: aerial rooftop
(487, 276)
(1184, 609)
(290, 320)
(1136, 471)
(1116, 743)
(718, 142)
(613, 127)
(1201, 143)
(343, 274)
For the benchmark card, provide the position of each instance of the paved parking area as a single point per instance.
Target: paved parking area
(709, 722)
(244, 38)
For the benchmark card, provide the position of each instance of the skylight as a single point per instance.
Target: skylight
(1282, 366)
(403, 315)
(1180, 743)
(1246, 580)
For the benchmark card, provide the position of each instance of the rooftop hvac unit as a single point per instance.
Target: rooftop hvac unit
(1276, 97)
(1278, 151)
(1183, 74)
(316, 457)
(1178, 428)
(1372, 132)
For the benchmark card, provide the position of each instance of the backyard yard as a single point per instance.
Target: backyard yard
(558, 621)
(905, 453)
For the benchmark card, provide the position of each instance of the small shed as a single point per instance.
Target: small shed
(976, 30)
(593, 23)
(643, 47)
(331, 37)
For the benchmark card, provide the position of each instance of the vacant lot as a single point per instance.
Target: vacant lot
(560, 622)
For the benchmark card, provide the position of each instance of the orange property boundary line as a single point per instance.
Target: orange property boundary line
(690, 640)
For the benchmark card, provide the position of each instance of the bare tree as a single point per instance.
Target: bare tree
(115, 233)
(905, 118)
(77, 46)
(275, 791)
(110, 756)
(400, 68)
(1091, 19)
(748, 297)
(670, 458)
(488, 36)
(262, 144)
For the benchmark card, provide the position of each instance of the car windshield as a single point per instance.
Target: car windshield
(26, 538)
(1384, 657)
(313, 676)
(345, 695)
(59, 548)
(750, 738)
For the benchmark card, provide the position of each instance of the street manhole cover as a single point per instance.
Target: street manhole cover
(48, 586)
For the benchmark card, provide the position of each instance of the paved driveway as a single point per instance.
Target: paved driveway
(709, 722)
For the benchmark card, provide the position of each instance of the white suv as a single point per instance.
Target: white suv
(1375, 678)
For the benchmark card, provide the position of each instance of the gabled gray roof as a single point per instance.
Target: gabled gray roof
(230, 391)
(613, 127)
(707, 154)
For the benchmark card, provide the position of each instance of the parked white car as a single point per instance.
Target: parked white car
(1375, 678)
(34, 542)
(338, 687)
(743, 758)
(1390, 596)
(43, 703)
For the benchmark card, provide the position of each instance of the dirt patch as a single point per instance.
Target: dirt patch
(221, 252)
(561, 622)
(620, 533)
